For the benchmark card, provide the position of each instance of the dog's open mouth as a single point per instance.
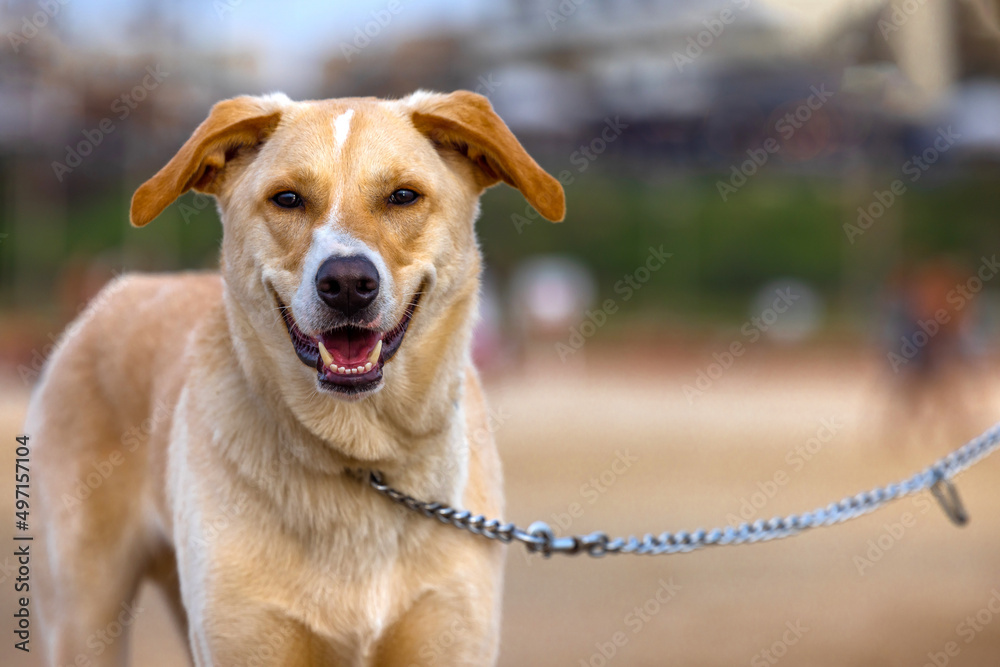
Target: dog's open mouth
(349, 359)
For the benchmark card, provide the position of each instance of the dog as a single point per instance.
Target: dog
(210, 432)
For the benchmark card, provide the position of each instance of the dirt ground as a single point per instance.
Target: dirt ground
(597, 446)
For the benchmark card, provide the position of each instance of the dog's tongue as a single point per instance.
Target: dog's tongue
(350, 346)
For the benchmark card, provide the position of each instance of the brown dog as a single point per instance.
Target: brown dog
(227, 415)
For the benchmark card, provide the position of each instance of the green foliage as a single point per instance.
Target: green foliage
(777, 225)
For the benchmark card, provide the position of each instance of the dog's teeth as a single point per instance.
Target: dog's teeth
(377, 350)
(328, 360)
(323, 352)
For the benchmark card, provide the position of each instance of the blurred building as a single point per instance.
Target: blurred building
(698, 84)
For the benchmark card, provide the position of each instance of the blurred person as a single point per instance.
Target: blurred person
(931, 316)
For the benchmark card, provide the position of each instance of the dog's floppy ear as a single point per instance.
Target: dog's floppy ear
(467, 123)
(232, 124)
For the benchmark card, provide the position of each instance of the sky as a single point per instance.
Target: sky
(292, 38)
(304, 26)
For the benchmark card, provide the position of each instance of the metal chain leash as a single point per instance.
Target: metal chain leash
(539, 538)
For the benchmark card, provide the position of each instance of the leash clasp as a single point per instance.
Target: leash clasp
(947, 496)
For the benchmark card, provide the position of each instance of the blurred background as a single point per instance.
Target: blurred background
(774, 285)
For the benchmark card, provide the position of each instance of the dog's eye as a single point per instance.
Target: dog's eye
(287, 199)
(402, 197)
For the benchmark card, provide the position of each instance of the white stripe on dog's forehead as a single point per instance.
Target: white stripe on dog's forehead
(341, 126)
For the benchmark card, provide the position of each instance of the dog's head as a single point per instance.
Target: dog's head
(353, 219)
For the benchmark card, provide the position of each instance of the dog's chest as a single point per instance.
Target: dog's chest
(347, 575)
(352, 612)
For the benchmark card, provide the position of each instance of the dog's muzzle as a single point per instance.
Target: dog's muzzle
(348, 359)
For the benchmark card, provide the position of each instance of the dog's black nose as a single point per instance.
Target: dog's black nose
(347, 284)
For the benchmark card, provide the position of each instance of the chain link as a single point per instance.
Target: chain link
(539, 538)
